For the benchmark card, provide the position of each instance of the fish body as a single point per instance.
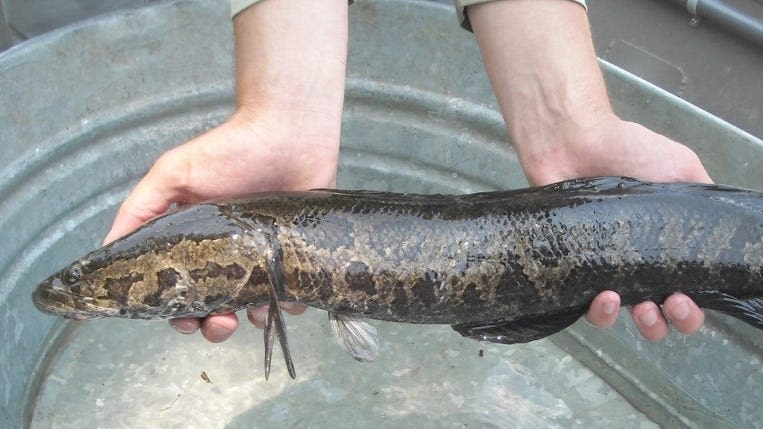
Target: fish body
(507, 266)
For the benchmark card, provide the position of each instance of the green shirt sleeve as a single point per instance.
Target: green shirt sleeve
(236, 6)
(463, 17)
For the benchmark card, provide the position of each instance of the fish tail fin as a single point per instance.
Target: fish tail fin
(749, 310)
(522, 329)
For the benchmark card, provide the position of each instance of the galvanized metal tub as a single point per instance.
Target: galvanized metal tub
(86, 109)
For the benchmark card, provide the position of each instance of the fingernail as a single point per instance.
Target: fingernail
(257, 316)
(680, 311)
(216, 333)
(260, 316)
(182, 328)
(648, 319)
(609, 308)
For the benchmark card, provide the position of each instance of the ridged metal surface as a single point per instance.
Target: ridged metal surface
(85, 110)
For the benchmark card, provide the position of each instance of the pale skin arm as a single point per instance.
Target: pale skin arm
(540, 58)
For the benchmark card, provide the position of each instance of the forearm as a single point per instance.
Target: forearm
(542, 65)
(291, 57)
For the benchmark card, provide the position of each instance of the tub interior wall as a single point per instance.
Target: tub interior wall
(86, 110)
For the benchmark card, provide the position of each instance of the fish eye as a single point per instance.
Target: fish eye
(72, 274)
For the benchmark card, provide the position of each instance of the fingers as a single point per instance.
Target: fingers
(649, 321)
(678, 310)
(604, 309)
(689, 165)
(216, 329)
(683, 313)
(220, 327)
(186, 325)
(151, 197)
(257, 315)
(293, 308)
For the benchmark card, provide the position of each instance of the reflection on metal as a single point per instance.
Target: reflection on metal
(30, 18)
(648, 65)
(84, 112)
(5, 32)
(727, 16)
(691, 6)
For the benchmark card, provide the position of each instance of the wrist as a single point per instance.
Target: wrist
(572, 146)
(607, 145)
(288, 125)
(290, 76)
(542, 65)
(291, 55)
(300, 150)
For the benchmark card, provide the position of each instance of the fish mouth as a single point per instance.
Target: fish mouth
(50, 297)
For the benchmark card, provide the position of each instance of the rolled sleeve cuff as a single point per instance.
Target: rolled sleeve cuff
(236, 6)
(463, 18)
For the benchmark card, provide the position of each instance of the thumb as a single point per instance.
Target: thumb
(695, 171)
(158, 189)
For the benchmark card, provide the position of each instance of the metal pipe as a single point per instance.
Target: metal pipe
(727, 17)
(6, 41)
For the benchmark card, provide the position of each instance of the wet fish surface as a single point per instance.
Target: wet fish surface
(507, 266)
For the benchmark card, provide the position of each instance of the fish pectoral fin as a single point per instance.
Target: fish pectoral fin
(275, 325)
(522, 329)
(356, 336)
(749, 310)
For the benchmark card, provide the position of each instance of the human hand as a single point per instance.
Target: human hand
(238, 157)
(542, 65)
(617, 147)
(290, 75)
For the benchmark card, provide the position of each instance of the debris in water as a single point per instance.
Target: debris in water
(170, 405)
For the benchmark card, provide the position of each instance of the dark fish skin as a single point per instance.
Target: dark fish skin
(508, 266)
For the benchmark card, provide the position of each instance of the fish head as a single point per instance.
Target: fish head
(68, 293)
(183, 264)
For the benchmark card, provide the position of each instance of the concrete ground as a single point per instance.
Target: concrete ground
(654, 39)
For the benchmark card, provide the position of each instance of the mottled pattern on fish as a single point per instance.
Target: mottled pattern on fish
(501, 266)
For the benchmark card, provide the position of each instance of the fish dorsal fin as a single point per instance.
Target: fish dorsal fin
(356, 336)
(522, 329)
